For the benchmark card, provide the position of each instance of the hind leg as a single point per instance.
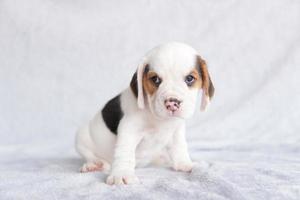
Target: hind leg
(85, 147)
(95, 165)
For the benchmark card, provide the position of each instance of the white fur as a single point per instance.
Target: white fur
(146, 132)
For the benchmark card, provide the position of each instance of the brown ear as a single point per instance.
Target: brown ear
(208, 89)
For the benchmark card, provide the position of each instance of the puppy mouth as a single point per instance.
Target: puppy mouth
(168, 114)
(174, 114)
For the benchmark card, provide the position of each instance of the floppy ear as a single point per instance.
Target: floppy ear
(207, 85)
(136, 84)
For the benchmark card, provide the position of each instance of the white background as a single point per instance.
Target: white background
(61, 60)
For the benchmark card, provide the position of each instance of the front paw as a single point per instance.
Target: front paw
(121, 179)
(184, 166)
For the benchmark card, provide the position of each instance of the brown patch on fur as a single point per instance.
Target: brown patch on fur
(148, 84)
(207, 84)
(198, 80)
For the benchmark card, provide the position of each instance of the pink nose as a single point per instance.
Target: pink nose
(172, 104)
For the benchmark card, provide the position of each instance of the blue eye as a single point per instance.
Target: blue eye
(156, 80)
(189, 79)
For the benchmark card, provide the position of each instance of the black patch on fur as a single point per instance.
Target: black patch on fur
(147, 69)
(133, 85)
(112, 114)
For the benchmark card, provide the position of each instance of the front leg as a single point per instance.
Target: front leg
(178, 151)
(124, 156)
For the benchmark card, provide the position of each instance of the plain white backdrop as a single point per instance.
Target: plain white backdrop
(61, 60)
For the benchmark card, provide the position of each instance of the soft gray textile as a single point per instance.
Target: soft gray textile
(61, 60)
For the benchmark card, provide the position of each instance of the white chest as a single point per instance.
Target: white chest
(155, 141)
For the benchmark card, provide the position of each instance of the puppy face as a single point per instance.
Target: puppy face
(169, 79)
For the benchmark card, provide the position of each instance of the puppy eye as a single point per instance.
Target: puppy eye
(156, 80)
(189, 79)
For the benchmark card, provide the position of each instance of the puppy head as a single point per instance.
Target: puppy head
(168, 80)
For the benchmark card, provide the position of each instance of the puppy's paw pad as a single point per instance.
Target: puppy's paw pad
(91, 167)
(122, 180)
(184, 166)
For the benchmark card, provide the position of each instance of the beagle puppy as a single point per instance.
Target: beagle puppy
(145, 123)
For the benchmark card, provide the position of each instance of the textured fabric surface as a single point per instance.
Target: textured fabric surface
(61, 60)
